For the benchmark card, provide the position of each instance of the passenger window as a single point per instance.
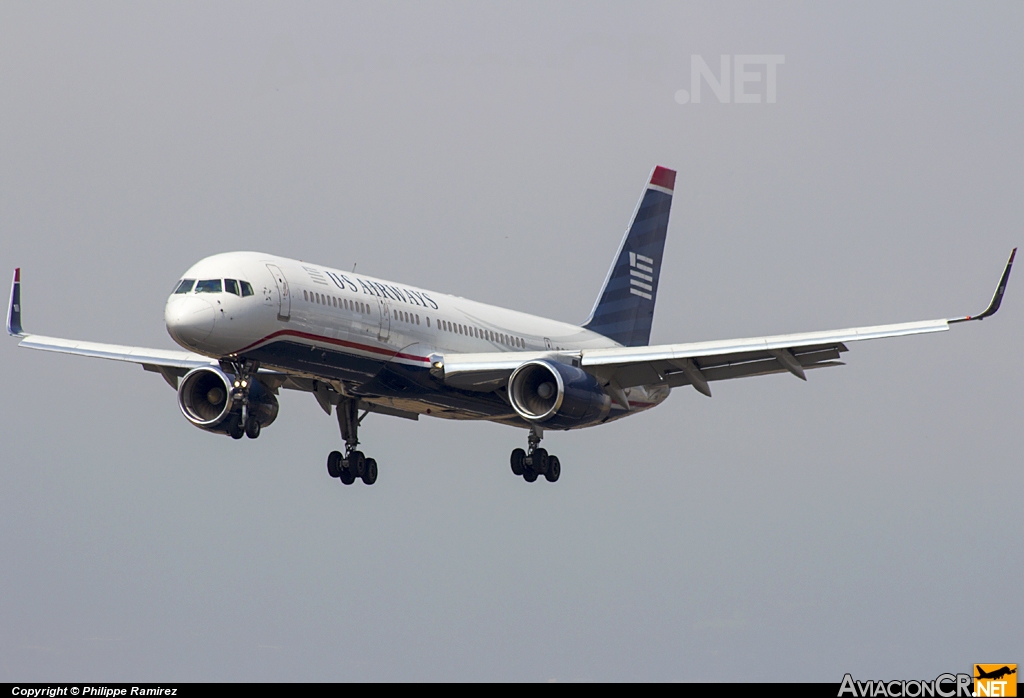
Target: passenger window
(305, 295)
(185, 286)
(428, 321)
(417, 318)
(208, 286)
(231, 286)
(246, 288)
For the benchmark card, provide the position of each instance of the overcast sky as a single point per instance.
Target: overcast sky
(866, 521)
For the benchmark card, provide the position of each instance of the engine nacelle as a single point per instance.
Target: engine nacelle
(556, 394)
(207, 398)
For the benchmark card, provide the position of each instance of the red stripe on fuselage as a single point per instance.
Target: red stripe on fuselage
(337, 342)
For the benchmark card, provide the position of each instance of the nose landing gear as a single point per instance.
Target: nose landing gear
(537, 461)
(354, 464)
(244, 422)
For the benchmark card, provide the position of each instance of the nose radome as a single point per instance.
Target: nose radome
(189, 319)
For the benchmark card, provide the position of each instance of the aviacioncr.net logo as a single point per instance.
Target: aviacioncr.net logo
(943, 686)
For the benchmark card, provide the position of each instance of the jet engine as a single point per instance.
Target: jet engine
(213, 400)
(556, 394)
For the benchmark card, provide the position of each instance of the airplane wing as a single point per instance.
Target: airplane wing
(168, 363)
(698, 363)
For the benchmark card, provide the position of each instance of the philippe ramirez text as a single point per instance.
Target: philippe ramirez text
(104, 691)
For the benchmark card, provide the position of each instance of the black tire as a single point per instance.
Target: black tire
(346, 476)
(235, 428)
(334, 464)
(252, 429)
(540, 461)
(357, 463)
(370, 476)
(530, 475)
(554, 469)
(518, 455)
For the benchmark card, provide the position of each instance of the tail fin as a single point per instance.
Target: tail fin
(624, 310)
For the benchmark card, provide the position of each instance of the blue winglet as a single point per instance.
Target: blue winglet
(997, 297)
(14, 309)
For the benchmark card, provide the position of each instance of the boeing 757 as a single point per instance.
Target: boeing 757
(252, 324)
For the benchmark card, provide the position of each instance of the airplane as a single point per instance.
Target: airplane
(996, 674)
(252, 324)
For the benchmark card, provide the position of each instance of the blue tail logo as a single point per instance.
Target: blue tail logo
(624, 310)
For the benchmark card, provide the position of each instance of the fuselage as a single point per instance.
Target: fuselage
(329, 325)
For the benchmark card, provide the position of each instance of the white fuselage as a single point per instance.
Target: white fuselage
(317, 321)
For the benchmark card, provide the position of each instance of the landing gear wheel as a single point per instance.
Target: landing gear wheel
(252, 428)
(235, 429)
(517, 461)
(530, 475)
(334, 464)
(370, 474)
(554, 469)
(540, 461)
(357, 463)
(347, 478)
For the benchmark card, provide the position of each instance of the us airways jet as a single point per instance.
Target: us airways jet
(252, 324)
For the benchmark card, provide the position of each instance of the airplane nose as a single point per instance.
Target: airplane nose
(189, 319)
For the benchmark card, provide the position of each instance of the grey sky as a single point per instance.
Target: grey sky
(865, 521)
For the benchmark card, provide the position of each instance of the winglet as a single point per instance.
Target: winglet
(997, 297)
(14, 309)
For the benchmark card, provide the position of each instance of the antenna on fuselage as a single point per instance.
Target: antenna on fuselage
(354, 267)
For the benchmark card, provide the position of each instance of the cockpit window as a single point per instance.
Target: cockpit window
(185, 286)
(208, 286)
(246, 288)
(231, 286)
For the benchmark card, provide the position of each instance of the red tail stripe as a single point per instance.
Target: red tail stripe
(664, 177)
(336, 342)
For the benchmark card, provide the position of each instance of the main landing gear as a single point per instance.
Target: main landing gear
(353, 464)
(243, 422)
(530, 464)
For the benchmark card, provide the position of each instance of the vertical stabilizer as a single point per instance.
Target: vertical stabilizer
(624, 310)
